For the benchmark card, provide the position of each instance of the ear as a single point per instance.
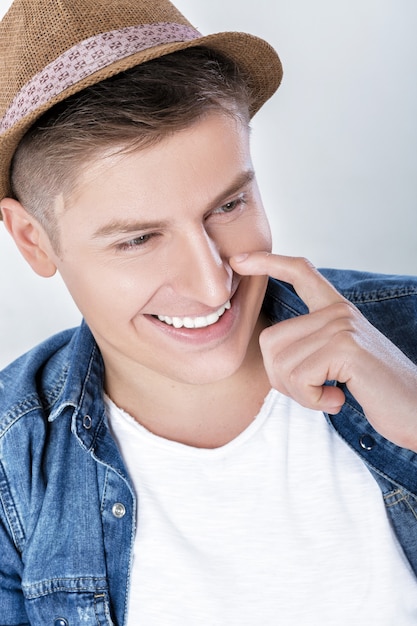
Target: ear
(29, 236)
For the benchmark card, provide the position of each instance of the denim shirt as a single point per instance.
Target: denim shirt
(67, 507)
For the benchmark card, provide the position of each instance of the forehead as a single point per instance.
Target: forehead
(185, 167)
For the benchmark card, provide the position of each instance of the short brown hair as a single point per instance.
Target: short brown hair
(131, 110)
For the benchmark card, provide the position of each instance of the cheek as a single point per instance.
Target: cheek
(263, 233)
(106, 293)
(255, 234)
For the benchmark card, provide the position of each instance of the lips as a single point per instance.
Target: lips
(195, 322)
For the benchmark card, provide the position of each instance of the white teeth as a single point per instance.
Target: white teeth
(195, 322)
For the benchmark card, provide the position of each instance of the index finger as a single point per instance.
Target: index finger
(310, 285)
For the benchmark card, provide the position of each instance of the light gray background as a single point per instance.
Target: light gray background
(335, 149)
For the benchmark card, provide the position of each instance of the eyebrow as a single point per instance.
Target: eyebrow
(120, 226)
(240, 181)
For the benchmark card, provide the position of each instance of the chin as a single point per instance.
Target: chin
(206, 375)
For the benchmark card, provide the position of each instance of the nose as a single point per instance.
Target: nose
(201, 273)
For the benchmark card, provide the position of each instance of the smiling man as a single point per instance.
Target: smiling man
(229, 437)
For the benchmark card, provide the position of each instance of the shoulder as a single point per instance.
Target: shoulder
(38, 380)
(367, 287)
(40, 395)
(389, 302)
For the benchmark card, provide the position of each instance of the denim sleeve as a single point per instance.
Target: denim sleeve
(12, 604)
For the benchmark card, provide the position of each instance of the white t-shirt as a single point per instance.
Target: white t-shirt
(282, 526)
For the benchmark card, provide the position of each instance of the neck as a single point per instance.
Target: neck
(204, 416)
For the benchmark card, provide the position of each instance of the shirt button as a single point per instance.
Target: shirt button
(367, 442)
(87, 422)
(60, 621)
(119, 510)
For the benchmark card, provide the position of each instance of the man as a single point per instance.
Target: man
(169, 461)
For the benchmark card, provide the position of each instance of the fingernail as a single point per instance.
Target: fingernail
(240, 257)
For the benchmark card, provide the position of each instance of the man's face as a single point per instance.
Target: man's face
(145, 245)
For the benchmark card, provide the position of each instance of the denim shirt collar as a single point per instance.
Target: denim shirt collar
(83, 374)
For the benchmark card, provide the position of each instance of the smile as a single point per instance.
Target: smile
(195, 322)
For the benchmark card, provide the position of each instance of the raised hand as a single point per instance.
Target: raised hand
(334, 341)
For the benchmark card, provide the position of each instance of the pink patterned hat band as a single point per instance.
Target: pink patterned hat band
(86, 58)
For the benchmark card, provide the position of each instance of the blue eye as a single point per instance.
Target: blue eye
(136, 242)
(231, 206)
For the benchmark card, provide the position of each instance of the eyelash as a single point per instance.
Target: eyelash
(136, 242)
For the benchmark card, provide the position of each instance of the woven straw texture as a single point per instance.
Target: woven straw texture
(34, 33)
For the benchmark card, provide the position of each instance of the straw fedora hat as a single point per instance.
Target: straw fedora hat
(51, 49)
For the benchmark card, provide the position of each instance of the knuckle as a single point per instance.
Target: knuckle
(346, 345)
(345, 308)
(297, 379)
(303, 264)
(343, 317)
(265, 340)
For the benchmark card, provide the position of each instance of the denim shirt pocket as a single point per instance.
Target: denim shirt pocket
(401, 507)
(69, 603)
(402, 510)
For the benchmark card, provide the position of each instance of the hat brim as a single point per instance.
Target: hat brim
(258, 60)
